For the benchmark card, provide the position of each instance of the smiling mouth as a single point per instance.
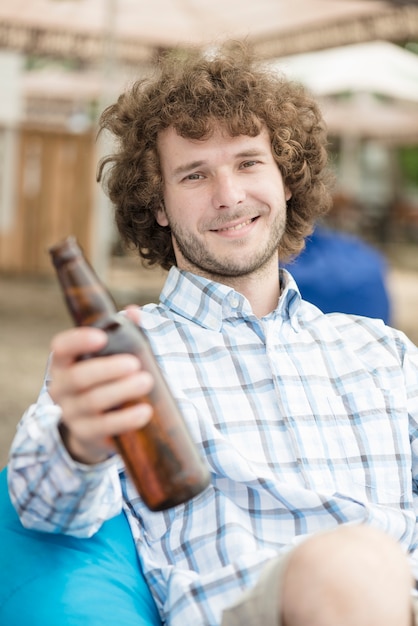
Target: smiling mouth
(237, 227)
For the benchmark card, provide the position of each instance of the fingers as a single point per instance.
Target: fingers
(93, 388)
(100, 397)
(76, 376)
(90, 439)
(72, 344)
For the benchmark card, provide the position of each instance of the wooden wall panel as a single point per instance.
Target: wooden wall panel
(55, 196)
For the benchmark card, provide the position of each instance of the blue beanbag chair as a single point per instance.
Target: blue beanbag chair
(55, 580)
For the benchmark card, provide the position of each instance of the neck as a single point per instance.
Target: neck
(262, 294)
(261, 288)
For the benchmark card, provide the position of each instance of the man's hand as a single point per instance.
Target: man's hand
(99, 397)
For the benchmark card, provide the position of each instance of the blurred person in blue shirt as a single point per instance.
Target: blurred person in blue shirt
(338, 272)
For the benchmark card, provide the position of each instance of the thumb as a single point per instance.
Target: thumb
(133, 312)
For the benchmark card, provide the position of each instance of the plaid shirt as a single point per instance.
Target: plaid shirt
(306, 421)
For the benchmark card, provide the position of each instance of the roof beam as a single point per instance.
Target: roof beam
(396, 24)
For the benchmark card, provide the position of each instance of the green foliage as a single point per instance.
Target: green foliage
(35, 62)
(408, 161)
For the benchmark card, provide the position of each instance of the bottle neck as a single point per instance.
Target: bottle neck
(87, 299)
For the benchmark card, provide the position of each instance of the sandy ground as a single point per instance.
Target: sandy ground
(31, 311)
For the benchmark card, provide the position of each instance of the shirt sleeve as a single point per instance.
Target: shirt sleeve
(410, 369)
(51, 491)
(409, 354)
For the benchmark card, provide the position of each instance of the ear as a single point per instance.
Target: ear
(287, 193)
(161, 216)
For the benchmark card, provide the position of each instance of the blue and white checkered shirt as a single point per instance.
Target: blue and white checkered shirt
(306, 421)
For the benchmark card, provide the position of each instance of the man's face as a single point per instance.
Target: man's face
(225, 202)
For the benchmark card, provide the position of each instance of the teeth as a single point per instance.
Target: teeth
(237, 227)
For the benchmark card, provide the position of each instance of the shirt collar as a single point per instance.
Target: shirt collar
(209, 303)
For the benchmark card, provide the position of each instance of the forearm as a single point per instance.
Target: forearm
(50, 490)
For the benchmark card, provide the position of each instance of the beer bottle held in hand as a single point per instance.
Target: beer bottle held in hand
(161, 457)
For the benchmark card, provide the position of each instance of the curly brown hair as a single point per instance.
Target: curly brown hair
(192, 92)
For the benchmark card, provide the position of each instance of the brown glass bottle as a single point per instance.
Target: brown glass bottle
(161, 458)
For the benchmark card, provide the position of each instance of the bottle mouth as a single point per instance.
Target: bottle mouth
(64, 250)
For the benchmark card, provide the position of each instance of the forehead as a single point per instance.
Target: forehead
(173, 147)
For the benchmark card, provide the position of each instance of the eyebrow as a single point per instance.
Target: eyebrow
(182, 169)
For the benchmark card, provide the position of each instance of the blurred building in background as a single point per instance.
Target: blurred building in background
(63, 61)
(369, 96)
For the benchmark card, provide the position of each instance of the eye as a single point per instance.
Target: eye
(193, 176)
(248, 164)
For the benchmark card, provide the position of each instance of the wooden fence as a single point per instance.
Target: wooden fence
(54, 196)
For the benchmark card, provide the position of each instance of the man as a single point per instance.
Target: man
(308, 422)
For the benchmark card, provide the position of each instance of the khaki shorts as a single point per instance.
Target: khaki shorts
(261, 605)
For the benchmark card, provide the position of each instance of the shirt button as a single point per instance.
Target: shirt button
(233, 302)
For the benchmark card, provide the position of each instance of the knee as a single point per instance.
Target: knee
(355, 546)
(352, 566)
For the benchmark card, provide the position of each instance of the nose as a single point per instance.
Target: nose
(228, 191)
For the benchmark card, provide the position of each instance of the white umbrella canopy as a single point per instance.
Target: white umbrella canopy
(273, 25)
(377, 67)
(366, 117)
